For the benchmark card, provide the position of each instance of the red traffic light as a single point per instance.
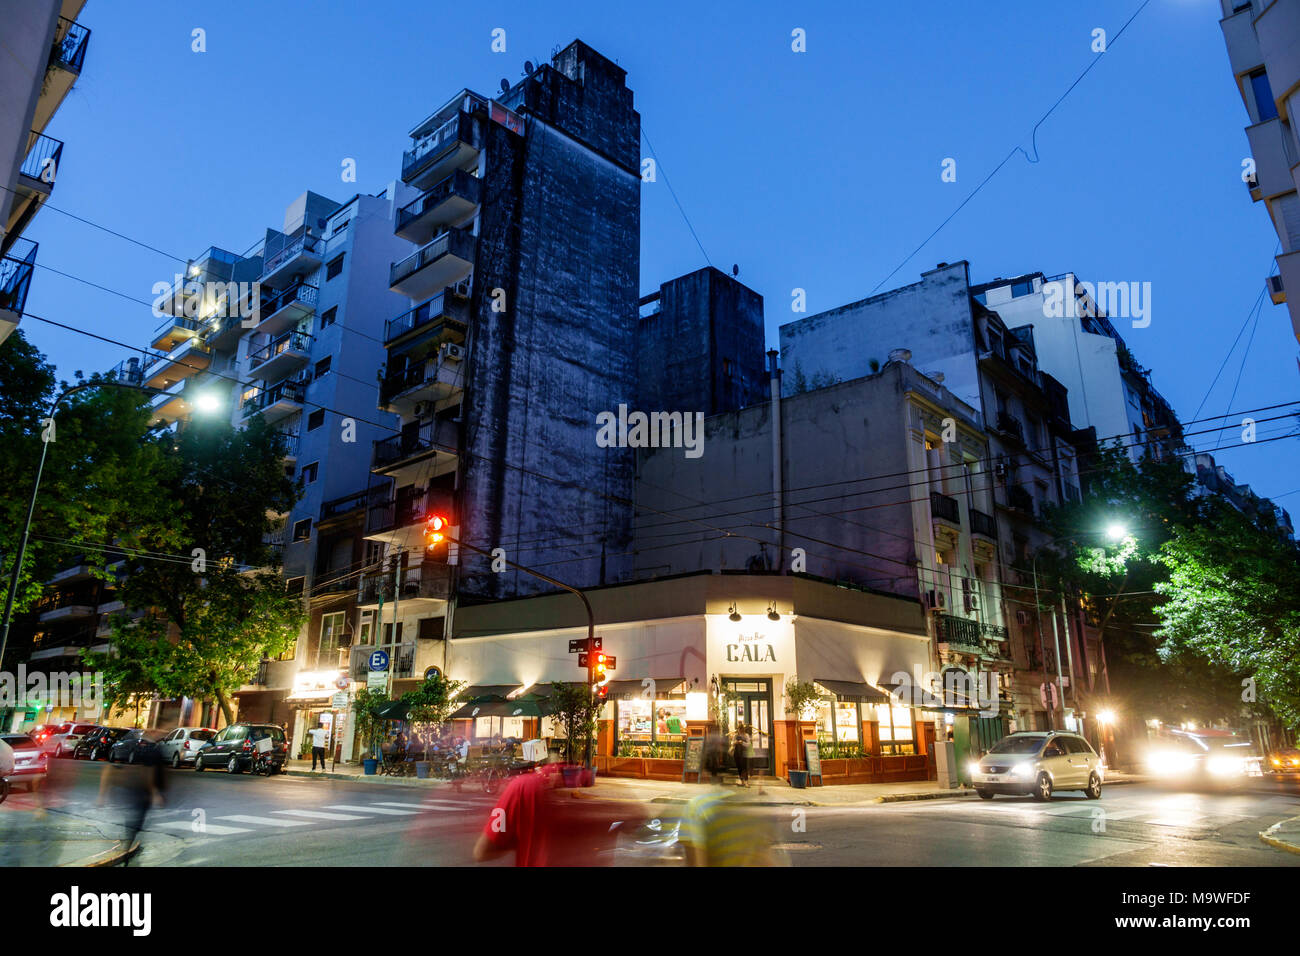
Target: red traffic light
(433, 531)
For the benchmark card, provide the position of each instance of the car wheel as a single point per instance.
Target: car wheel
(1094, 787)
(198, 764)
(176, 761)
(232, 765)
(58, 751)
(1043, 788)
(984, 794)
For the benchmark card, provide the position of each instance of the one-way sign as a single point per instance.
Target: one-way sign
(579, 645)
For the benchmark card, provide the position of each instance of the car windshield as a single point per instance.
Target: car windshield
(20, 742)
(201, 735)
(1017, 745)
(82, 729)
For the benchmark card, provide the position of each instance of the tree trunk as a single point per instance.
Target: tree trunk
(223, 704)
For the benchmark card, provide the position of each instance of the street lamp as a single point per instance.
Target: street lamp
(1115, 532)
(16, 571)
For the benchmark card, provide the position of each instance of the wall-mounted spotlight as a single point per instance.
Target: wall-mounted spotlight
(734, 615)
(772, 615)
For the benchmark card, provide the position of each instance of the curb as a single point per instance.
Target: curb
(939, 795)
(1266, 837)
(368, 778)
(108, 857)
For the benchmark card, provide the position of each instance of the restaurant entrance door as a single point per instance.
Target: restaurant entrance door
(750, 702)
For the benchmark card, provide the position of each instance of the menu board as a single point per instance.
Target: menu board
(814, 758)
(694, 757)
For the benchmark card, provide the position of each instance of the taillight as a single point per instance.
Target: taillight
(187, 745)
(248, 745)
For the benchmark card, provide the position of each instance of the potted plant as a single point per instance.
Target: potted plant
(575, 708)
(431, 703)
(799, 696)
(369, 725)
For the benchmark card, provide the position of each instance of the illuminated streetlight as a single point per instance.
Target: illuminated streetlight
(207, 403)
(1116, 531)
(1106, 716)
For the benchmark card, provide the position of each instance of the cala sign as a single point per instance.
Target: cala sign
(752, 648)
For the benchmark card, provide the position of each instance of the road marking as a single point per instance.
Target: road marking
(264, 821)
(372, 809)
(1071, 808)
(427, 805)
(321, 814)
(209, 829)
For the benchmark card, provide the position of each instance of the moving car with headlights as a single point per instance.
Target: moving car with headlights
(136, 746)
(63, 738)
(97, 742)
(31, 763)
(1038, 763)
(1282, 760)
(1203, 756)
(179, 747)
(234, 748)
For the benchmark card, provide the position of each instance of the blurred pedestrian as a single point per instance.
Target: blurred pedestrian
(139, 787)
(717, 829)
(715, 754)
(740, 752)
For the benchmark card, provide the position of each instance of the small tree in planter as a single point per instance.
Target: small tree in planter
(369, 724)
(431, 703)
(575, 708)
(799, 696)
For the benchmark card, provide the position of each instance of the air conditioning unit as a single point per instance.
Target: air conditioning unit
(423, 408)
(1276, 291)
(1000, 470)
(935, 599)
(972, 602)
(451, 352)
(463, 286)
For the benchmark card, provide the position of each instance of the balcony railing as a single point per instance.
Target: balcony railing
(273, 302)
(1011, 425)
(387, 515)
(294, 247)
(69, 49)
(437, 435)
(980, 523)
(338, 583)
(401, 659)
(291, 391)
(178, 322)
(43, 155)
(16, 275)
(298, 341)
(422, 581)
(456, 241)
(456, 129)
(459, 183)
(127, 370)
(959, 632)
(942, 506)
(448, 307)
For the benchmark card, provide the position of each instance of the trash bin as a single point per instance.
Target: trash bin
(422, 769)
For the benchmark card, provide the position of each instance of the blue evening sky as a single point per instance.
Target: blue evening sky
(818, 170)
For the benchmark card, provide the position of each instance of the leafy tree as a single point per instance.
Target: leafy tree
(369, 725)
(432, 701)
(575, 708)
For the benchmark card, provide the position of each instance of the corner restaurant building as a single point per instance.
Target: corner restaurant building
(678, 650)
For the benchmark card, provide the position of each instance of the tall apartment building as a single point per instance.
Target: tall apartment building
(699, 345)
(45, 49)
(518, 331)
(1263, 39)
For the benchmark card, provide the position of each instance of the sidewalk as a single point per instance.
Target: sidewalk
(764, 791)
(1284, 835)
(35, 837)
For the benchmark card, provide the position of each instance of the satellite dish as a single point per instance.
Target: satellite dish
(735, 270)
(528, 66)
(505, 85)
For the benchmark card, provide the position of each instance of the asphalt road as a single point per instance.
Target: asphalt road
(218, 819)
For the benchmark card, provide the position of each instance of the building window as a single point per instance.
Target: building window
(1263, 91)
(1021, 288)
(302, 529)
(431, 628)
(335, 267)
(388, 633)
(894, 729)
(644, 723)
(295, 585)
(316, 419)
(838, 722)
(323, 366)
(309, 472)
(366, 627)
(327, 317)
(331, 628)
(339, 227)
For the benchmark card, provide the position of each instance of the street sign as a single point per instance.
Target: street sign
(577, 644)
(582, 659)
(342, 683)
(379, 661)
(339, 701)
(377, 680)
(1048, 695)
(610, 662)
(596, 643)
(431, 672)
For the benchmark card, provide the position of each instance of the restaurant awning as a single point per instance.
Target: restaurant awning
(485, 692)
(950, 702)
(851, 691)
(664, 688)
(393, 710)
(524, 707)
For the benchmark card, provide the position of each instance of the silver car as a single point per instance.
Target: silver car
(63, 743)
(179, 747)
(1038, 763)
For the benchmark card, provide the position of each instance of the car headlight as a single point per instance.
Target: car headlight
(1169, 762)
(1023, 770)
(974, 767)
(1226, 766)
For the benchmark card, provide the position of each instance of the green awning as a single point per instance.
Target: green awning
(526, 706)
(853, 691)
(393, 710)
(483, 692)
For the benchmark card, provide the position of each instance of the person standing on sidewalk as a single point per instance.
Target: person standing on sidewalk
(318, 737)
(741, 753)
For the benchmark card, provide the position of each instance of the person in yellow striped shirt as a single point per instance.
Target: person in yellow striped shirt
(719, 830)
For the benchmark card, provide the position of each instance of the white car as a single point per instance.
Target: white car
(31, 764)
(1038, 763)
(63, 743)
(179, 747)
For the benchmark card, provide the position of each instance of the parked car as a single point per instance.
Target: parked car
(1283, 760)
(179, 747)
(1038, 763)
(97, 742)
(64, 738)
(234, 746)
(31, 764)
(136, 746)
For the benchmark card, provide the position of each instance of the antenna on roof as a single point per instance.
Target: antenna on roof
(505, 85)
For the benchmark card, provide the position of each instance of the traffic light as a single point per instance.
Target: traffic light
(433, 532)
(602, 672)
(602, 691)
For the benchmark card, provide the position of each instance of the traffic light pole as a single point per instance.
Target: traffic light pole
(591, 615)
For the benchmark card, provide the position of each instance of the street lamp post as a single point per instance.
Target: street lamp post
(16, 571)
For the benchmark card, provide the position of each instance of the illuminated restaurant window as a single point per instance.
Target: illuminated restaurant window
(839, 721)
(644, 723)
(895, 729)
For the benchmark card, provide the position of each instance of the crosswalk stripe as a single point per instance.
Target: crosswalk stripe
(209, 829)
(263, 821)
(1070, 808)
(430, 805)
(320, 814)
(371, 809)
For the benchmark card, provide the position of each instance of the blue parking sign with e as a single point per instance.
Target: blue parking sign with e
(379, 661)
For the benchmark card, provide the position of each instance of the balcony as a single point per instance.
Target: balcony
(444, 318)
(15, 278)
(173, 331)
(127, 370)
(944, 508)
(67, 56)
(440, 263)
(66, 607)
(406, 512)
(181, 362)
(35, 181)
(983, 524)
(1270, 147)
(401, 659)
(448, 202)
(452, 145)
(171, 404)
(277, 402)
(336, 582)
(348, 504)
(281, 311)
(1276, 290)
(77, 572)
(291, 257)
(440, 436)
(433, 379)
(431, 582)
(281, 356)
(222, 332)
(291, 443)
(68, 644)
(1011, 426)
(960, 634)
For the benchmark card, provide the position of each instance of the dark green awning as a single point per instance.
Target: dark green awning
(853, 691)
(527, 706)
